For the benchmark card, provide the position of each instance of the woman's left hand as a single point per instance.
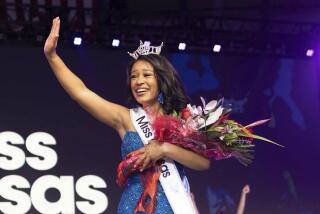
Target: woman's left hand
(246, 189)
(150, 153)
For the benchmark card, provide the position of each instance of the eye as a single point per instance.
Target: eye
(148, 74)
(133, 76)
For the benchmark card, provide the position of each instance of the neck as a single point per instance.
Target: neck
(153, 109)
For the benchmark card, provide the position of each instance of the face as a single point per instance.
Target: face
(143, 82)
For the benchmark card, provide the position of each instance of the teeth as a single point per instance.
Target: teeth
(141, 90)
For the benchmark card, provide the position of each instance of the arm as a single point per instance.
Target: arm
(187, 158)
(242, 202)
(107, 112)
(155, 151)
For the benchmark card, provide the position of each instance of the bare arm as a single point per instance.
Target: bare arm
(155, 151)
(105, 111)
(185, 157)
(242, 202)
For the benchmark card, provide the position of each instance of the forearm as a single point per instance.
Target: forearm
(185, 157)
(68, 80)
(242, 204)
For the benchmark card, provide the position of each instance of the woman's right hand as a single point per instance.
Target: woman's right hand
(52, 40)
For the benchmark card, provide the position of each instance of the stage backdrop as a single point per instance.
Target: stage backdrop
(55, 157)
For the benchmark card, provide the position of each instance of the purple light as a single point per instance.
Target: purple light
(310, 52)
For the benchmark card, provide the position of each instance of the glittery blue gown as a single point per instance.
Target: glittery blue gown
(134, 188)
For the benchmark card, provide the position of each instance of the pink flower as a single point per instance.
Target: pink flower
(185, 114)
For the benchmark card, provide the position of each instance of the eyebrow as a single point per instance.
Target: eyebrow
(144, 69)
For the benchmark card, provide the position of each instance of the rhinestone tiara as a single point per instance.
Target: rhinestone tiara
(146, 50)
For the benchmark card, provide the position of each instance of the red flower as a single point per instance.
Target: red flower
(185, 113)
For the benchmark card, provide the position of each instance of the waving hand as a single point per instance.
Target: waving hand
(52, 40)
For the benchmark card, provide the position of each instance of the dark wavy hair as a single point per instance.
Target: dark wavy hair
(169, 83)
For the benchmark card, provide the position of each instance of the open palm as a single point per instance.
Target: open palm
(52, 40)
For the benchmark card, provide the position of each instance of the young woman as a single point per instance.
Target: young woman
(152, 80)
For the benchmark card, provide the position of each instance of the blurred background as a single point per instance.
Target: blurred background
(262, 56)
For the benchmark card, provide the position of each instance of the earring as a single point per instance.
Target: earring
(160, 98)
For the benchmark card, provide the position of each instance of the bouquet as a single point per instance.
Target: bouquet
(207, 131)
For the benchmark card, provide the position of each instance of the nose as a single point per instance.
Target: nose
(140, 80)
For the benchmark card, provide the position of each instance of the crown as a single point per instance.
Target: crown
(146, 50)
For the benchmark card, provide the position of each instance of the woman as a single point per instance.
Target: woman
(147, 76)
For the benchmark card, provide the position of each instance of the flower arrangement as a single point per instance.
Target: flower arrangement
(207, 130)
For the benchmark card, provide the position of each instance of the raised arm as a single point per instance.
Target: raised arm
(103, 110)
(242, 202)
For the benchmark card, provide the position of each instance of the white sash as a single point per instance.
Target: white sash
(176, 190)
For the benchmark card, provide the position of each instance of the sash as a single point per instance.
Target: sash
(176, 190)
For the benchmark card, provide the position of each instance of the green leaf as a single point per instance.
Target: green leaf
(262, 138)
(229, 142)
(231, 136)
(174, 113)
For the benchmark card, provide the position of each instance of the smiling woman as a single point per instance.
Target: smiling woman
(155, 86)
(171, 92)
(143, 83)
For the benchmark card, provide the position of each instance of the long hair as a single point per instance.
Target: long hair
(169, 83)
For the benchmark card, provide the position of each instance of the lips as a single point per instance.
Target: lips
(141, 91)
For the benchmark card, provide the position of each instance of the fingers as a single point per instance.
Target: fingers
(246, 189)
(52, 26)
(139, 162)
(57, 27)
(146, 163)
(52, 40)
(148, 156)
(143, 162)
(137, 152)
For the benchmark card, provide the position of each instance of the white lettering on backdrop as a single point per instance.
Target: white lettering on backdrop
(12, 187)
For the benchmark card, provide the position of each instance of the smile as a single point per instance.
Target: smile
(141, 91)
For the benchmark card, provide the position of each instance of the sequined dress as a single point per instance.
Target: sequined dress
(134, 188)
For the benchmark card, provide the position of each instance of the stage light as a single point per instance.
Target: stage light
(310, 52)
(182, 46)
(115, 42)
(77, 41)
(216, 48)
(147, 43)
